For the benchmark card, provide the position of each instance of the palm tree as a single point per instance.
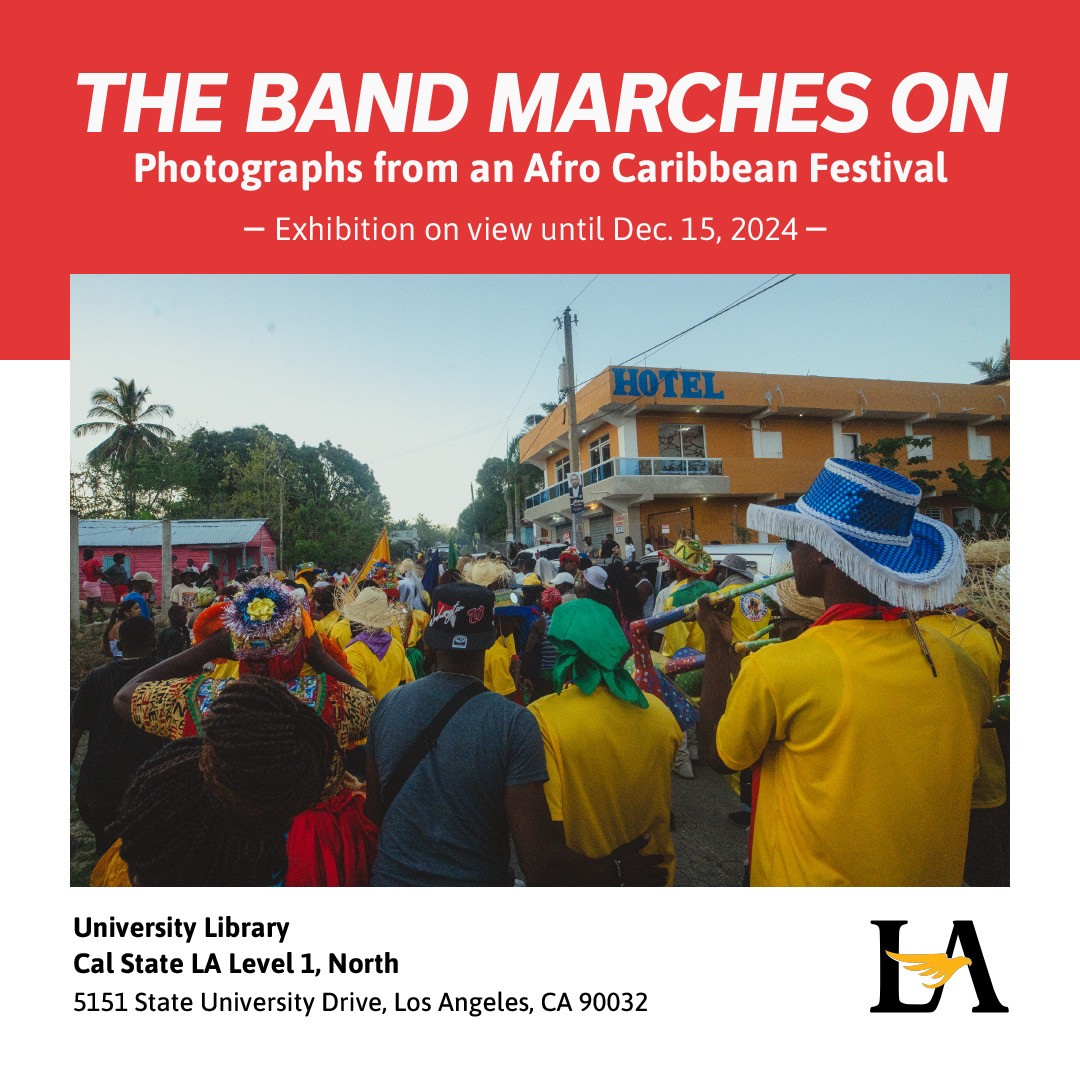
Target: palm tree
(994, 367)
(123, 412)
(522, 480)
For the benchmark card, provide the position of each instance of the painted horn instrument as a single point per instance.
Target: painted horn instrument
(689, 611)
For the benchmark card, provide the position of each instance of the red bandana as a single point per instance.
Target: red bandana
(840, 612)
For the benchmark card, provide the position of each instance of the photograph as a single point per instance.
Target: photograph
(579, 579)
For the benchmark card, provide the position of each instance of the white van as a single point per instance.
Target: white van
(764, 559)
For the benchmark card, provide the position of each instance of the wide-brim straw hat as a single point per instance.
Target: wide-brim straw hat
(369, 609)
(806, 607)
(987, 553)
(690, 555)
(489, 574)
(986, 588)
(863, 518)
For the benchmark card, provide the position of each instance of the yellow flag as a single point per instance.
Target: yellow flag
(379, 553)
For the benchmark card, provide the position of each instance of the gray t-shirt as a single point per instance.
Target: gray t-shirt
(447, 825)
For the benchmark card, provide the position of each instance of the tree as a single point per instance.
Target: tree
(885, 452)
(548, 406)
(994, 367)
(123, 412)
(320, 501)
(522, 480)
(486, 514)
(988, 493)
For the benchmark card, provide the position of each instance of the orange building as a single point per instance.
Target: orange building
(666, 450)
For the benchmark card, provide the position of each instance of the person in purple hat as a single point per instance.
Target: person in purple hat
(864, 729)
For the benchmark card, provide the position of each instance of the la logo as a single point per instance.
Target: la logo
(938, 967)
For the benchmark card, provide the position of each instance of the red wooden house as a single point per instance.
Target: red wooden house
(227, 543)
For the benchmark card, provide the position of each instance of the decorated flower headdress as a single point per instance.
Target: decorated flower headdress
(264, 621)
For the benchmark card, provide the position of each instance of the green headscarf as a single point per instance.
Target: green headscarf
(590, 647)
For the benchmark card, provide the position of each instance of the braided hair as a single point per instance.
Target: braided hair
(216, 810)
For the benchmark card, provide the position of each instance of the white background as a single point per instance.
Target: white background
(773, 981)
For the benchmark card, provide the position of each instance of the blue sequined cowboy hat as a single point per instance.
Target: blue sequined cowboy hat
(863, 518)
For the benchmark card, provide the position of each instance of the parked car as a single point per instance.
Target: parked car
(765, 559)
(543, 551)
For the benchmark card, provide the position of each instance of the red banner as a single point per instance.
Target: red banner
(703, 138)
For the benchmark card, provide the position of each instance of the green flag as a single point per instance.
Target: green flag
(451, 556)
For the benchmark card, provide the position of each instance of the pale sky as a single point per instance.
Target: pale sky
(424, 377)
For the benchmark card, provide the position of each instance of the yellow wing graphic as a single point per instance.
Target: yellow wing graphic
(933, 965)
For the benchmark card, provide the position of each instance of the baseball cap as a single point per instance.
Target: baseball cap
(461, 618)
(563, 579)
(143, 575)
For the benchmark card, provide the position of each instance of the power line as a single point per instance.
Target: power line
(532, 375)
(591, 280)
(751, 294)
(536, 367)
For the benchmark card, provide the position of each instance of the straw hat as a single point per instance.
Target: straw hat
(987, 553)
(986, 587)
(369, 609)
(690, 555)
(806, 607)
(489, 573)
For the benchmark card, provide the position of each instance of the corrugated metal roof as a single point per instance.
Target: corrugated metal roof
(205, 532)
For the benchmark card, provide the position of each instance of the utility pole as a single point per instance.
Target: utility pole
(571, 415)
(73, 571)
(281, 514)
(166, 565)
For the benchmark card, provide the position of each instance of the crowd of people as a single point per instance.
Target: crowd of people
(521, 719)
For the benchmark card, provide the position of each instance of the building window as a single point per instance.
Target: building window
(978, 445)
(599, 451)
(562, 469)
(767, 444)
(933, 513)
(849, 444)
(682, 440)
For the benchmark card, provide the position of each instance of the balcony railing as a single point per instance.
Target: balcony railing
(649, 466)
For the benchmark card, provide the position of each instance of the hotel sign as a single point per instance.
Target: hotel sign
(665, 383)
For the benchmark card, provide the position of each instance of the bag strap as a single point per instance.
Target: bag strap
(424, 742)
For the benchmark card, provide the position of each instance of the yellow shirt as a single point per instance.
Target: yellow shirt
(989, 789)
(609, 770)
(867, 760)
(334, 627)
(497, 677)
(750, 616)
(379, 676)
(419, 625)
